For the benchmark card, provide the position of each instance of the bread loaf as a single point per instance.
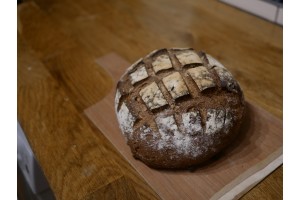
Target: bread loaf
(177, 108)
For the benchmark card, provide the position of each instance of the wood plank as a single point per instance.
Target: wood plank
(266, 189)
(100, 35)
(69, 64)
(73, 156)
(55, 132)
(250, 47)
(41, 33)
(82, 79)
(82, 86)
(121, 188)
(253, 155)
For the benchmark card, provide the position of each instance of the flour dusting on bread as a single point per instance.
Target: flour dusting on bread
(178, 108)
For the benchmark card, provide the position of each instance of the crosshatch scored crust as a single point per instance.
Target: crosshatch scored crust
(177, 108)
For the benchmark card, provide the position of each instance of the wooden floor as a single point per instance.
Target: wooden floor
(58, 43)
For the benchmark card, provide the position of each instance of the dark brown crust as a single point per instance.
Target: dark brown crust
(218, 97)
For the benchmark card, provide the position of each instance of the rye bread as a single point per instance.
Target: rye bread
(177, 108)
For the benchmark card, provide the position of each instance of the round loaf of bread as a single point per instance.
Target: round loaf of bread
(177, 108)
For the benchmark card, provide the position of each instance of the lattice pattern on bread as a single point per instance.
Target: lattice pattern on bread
(166, 95)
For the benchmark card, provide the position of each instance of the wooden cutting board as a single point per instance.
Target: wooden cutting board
(256, 152)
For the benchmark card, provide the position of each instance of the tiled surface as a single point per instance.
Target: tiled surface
(268, 10)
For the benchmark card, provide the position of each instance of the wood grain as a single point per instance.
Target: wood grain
(66, 34)
(258, 145)
(119, 189)
(76, 159)
(66, 62)
(245, 44)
